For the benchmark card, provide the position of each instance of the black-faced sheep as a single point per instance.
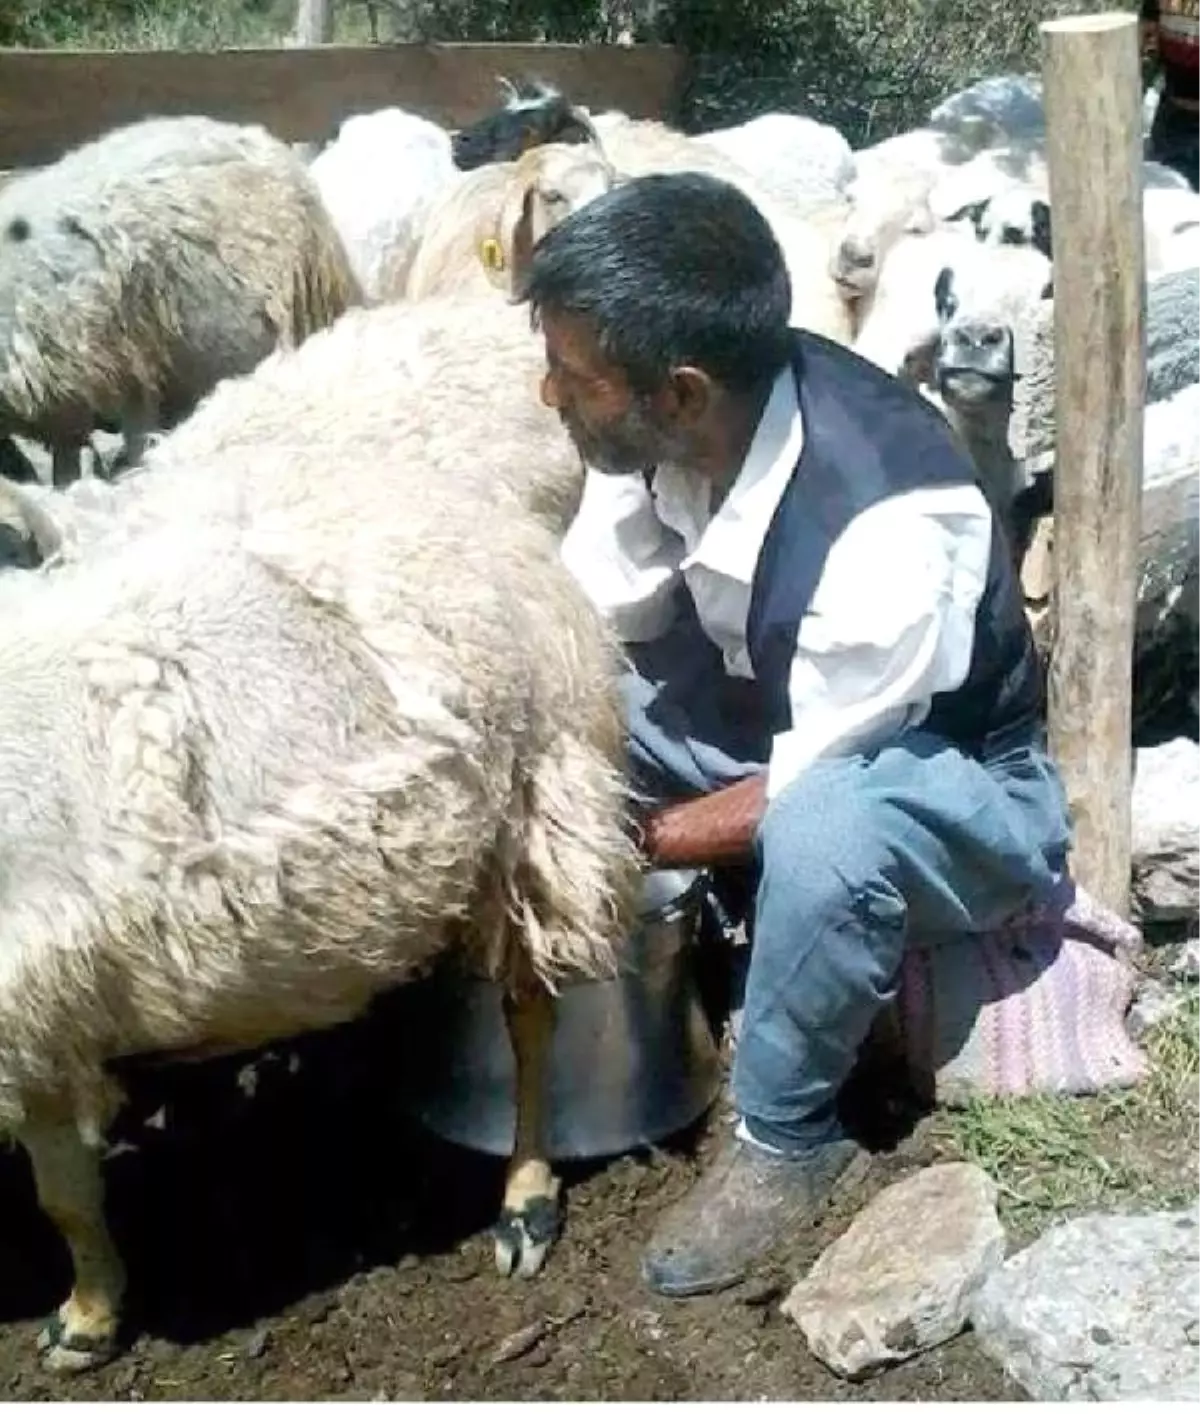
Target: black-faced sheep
(531, 115)
(141, 268)
(263, 760)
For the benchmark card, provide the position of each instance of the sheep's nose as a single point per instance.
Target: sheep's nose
(857, 254)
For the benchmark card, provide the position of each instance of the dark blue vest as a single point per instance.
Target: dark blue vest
(867, 437)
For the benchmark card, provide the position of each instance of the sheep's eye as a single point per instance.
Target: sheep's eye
(554, 197)
(1012, 235)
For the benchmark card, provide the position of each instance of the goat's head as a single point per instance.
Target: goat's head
(532, 115)
(546, 185)
(978, 302)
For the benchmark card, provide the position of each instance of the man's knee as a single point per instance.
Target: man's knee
(824, 820)
(825, 856)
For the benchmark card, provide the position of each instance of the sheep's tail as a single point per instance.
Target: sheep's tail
(573, 890)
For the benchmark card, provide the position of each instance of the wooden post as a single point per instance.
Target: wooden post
(314, 22)
(1093, 102)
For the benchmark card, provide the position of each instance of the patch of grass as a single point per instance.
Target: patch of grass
(1128, 1150)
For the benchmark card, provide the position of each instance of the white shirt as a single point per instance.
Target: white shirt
(891, 621)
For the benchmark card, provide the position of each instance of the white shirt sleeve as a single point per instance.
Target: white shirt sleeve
(625, 559)
(891, 623)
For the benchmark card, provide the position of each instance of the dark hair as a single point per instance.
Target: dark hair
(670, 269)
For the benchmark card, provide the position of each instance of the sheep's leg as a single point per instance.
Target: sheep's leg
(65, 466)
(529, 1221)
(70, 1188)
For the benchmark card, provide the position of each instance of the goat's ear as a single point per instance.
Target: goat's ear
(1041, 233)
(943, 294)
(508, 89)
(972, 212)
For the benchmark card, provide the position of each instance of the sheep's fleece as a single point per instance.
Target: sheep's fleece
(142, 267)
(449, 383)
(1172, 360)
(256, 766)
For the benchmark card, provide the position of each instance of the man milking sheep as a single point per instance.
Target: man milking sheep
(834, 679)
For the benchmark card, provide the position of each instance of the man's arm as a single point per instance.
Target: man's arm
(715, 829)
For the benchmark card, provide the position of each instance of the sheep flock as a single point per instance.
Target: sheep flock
(296, 695)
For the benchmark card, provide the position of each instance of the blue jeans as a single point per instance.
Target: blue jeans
(851, 854)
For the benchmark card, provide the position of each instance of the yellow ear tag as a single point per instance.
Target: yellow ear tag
(491, 254)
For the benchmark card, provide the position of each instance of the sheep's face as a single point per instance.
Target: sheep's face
(547, 185)
(528, 120)
(878, 219)
(980, 299)
(973, 362)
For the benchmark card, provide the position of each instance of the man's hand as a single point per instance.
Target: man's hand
(713, 829)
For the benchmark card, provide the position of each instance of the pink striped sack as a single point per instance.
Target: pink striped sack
(1037, 1006)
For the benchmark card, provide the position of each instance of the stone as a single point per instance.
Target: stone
(1166, 832)
(1100, 1307)
(901, 1278)
(1186, 966)
(1153, 1005)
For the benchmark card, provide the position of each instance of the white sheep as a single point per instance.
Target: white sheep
(981, 305)
(259, 765)
(142, 267)
(1171, 221)
(990, 285)
(377, 178)
(794, 159)
(1020, 214)
(479, 232)
(382, 371)
(876, 214)
(638, 147)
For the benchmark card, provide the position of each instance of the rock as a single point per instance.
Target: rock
(1166, 831)
(901, 1278)
(256, 1346)
(1187, 965)
(1154, 1005)
(1097, 1308)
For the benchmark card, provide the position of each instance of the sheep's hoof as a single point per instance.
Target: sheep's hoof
(70, 1352)
(524, 1237)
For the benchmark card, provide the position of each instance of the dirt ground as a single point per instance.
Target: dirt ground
(310, 1243)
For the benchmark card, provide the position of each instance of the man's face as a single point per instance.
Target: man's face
(618, 432)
